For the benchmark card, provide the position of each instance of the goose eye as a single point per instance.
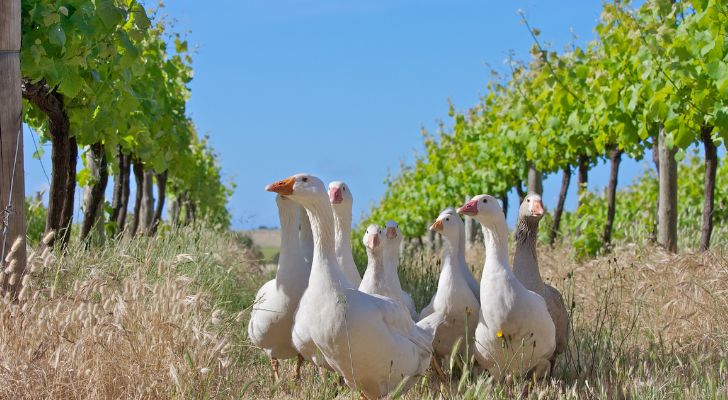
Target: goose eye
(528, 200)
(485, 200)
(447, 219)
(344, 188)
(305, 179)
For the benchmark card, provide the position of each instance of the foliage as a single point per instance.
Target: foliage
(35, 218)
(635, 216)
(123, 77)
(664, 64)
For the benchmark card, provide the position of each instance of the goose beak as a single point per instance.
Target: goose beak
(470, 208)
(391, 233)
(537, 208)
(335, 195)
(283, 187)
(373, 240)
(437, 226)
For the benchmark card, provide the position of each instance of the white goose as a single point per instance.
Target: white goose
(392, 244)
(515, 333)
(525, 267)
(453, 298)
(271, 319)
(341, 202)
(379, 277)
(367, 339)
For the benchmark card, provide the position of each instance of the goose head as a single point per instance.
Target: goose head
(373, 238)
(340, 194)
(301, 188)
(484, 208)
(531, 208)
(393, 236)
(448, 223)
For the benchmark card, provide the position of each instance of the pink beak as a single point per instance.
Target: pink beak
(537, 208)
(335, 196)
(373, 240)
(391, 233)
(470, 208)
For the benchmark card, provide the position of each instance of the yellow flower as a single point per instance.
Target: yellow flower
(499, 334)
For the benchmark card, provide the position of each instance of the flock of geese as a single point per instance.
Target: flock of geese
(367, 330)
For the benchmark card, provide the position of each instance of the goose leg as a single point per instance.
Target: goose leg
(299, 362)
(438, 371)
(275, 364)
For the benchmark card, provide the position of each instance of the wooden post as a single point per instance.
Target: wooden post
(12, 173)
(667, 203)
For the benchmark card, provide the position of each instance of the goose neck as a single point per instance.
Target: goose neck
(342, 224)
(495, 238)
(290, 250)
(525, 261)
(325, 267)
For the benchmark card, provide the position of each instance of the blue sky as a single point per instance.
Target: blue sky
(342, 89)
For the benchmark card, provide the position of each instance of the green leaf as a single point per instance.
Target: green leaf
(71, 83)
(110, 14)
(56, 35)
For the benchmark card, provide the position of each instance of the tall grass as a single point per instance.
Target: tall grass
(166, 318)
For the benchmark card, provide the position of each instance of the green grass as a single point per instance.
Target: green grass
(269, 252)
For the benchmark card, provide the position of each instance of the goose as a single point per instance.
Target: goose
(306, 237)
(392, 244)
(525, 267)
(453, 298)
(341, 202)
(379, 277)
(515, 333)
(367, 339)
(271, 319)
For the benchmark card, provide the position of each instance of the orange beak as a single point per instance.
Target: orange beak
(537, 208)
(283, 187)
(437, 226)
(470, 208)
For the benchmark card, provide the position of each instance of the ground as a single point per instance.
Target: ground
(166, 317)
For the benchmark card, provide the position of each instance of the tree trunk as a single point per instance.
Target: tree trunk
(582, 178)
(161, 194)
(535, 180)
(93, 199)
(139, 179)
(147, 211)
(63, 158)
(125, 176)
(615, 157)
(521, 193)
(12, 175)
(656, 160)
(173, 211)
(667, 210)
(504, 201)
(116, 197)
(711, 166)
(565, 181)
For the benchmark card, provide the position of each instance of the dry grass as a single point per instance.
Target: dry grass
(166, 318)
(141, 319)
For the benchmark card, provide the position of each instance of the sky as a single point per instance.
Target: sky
(342, 89)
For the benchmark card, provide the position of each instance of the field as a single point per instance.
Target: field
(166, 318)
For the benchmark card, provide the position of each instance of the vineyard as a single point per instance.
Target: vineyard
(154, 295)
(655, 79)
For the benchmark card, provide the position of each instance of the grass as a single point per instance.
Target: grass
(166, 318)
(270, 253)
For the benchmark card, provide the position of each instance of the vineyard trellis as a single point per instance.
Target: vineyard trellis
(656, 75)
(111, 78)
